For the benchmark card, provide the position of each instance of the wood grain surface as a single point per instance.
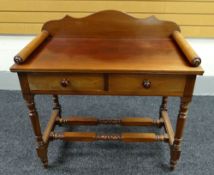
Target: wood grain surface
(108, 55)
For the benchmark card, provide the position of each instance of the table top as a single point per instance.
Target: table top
(108, 55)
(137, 53)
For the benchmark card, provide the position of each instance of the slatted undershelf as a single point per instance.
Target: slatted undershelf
(164, 121)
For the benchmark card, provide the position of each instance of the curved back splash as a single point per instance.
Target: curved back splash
(110, 24)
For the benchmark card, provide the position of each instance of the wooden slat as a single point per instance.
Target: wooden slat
(139, 121)
(168, 126)
(78, 136)
(74, 120)
(92, 136)
(50, 125)
(20, 28)
(41, 17)
(198, 31)
(126, 121)
(74, 136)
(128, 6)
(142, 137)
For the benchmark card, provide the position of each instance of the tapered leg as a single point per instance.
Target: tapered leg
(41, 148)
(176, 147)
(56, 104)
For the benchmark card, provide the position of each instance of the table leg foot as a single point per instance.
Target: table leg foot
(42, 154)
(45, 163)
(181, 120)
(175, 156)
(172, 165)
(42, 147)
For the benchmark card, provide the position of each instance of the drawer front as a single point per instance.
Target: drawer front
(65, 82)
(136, 84)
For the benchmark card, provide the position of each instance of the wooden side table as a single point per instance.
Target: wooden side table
(108, 53)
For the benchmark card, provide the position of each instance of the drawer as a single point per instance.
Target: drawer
(154, 85)
(65, 82)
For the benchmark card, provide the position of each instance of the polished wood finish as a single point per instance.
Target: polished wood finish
(168, 126)
(29, 98)
(159, 84)
(75, 82)
(140, 121)
(56, 105)
(109, 53)
(24, 54)
(176, 148)
(108, 137)
(77, 120)
(74, 136)
(90, 44)
(107, 84)
(50, 125)
(92, 136)
(109, 121)
(143, 137)
(125, 121)
(181, 120)
(110, 24)
(191, 55)
(163, 106)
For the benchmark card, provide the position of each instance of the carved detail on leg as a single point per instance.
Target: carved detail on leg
(176, 147)
(41, 148)
(56, 104)
(163, 107)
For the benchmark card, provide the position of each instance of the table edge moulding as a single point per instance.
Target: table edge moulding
(108, 53)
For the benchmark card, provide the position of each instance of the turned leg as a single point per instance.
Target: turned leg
(176, 147)
(56, 104)
(42, 147)
(163, 106)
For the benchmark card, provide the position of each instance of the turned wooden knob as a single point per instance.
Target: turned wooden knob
(65, 83)
(146, 84)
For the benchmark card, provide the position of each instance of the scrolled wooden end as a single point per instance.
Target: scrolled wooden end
(23, 55)
(18, 59)
(188, 51)
(196, 62)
